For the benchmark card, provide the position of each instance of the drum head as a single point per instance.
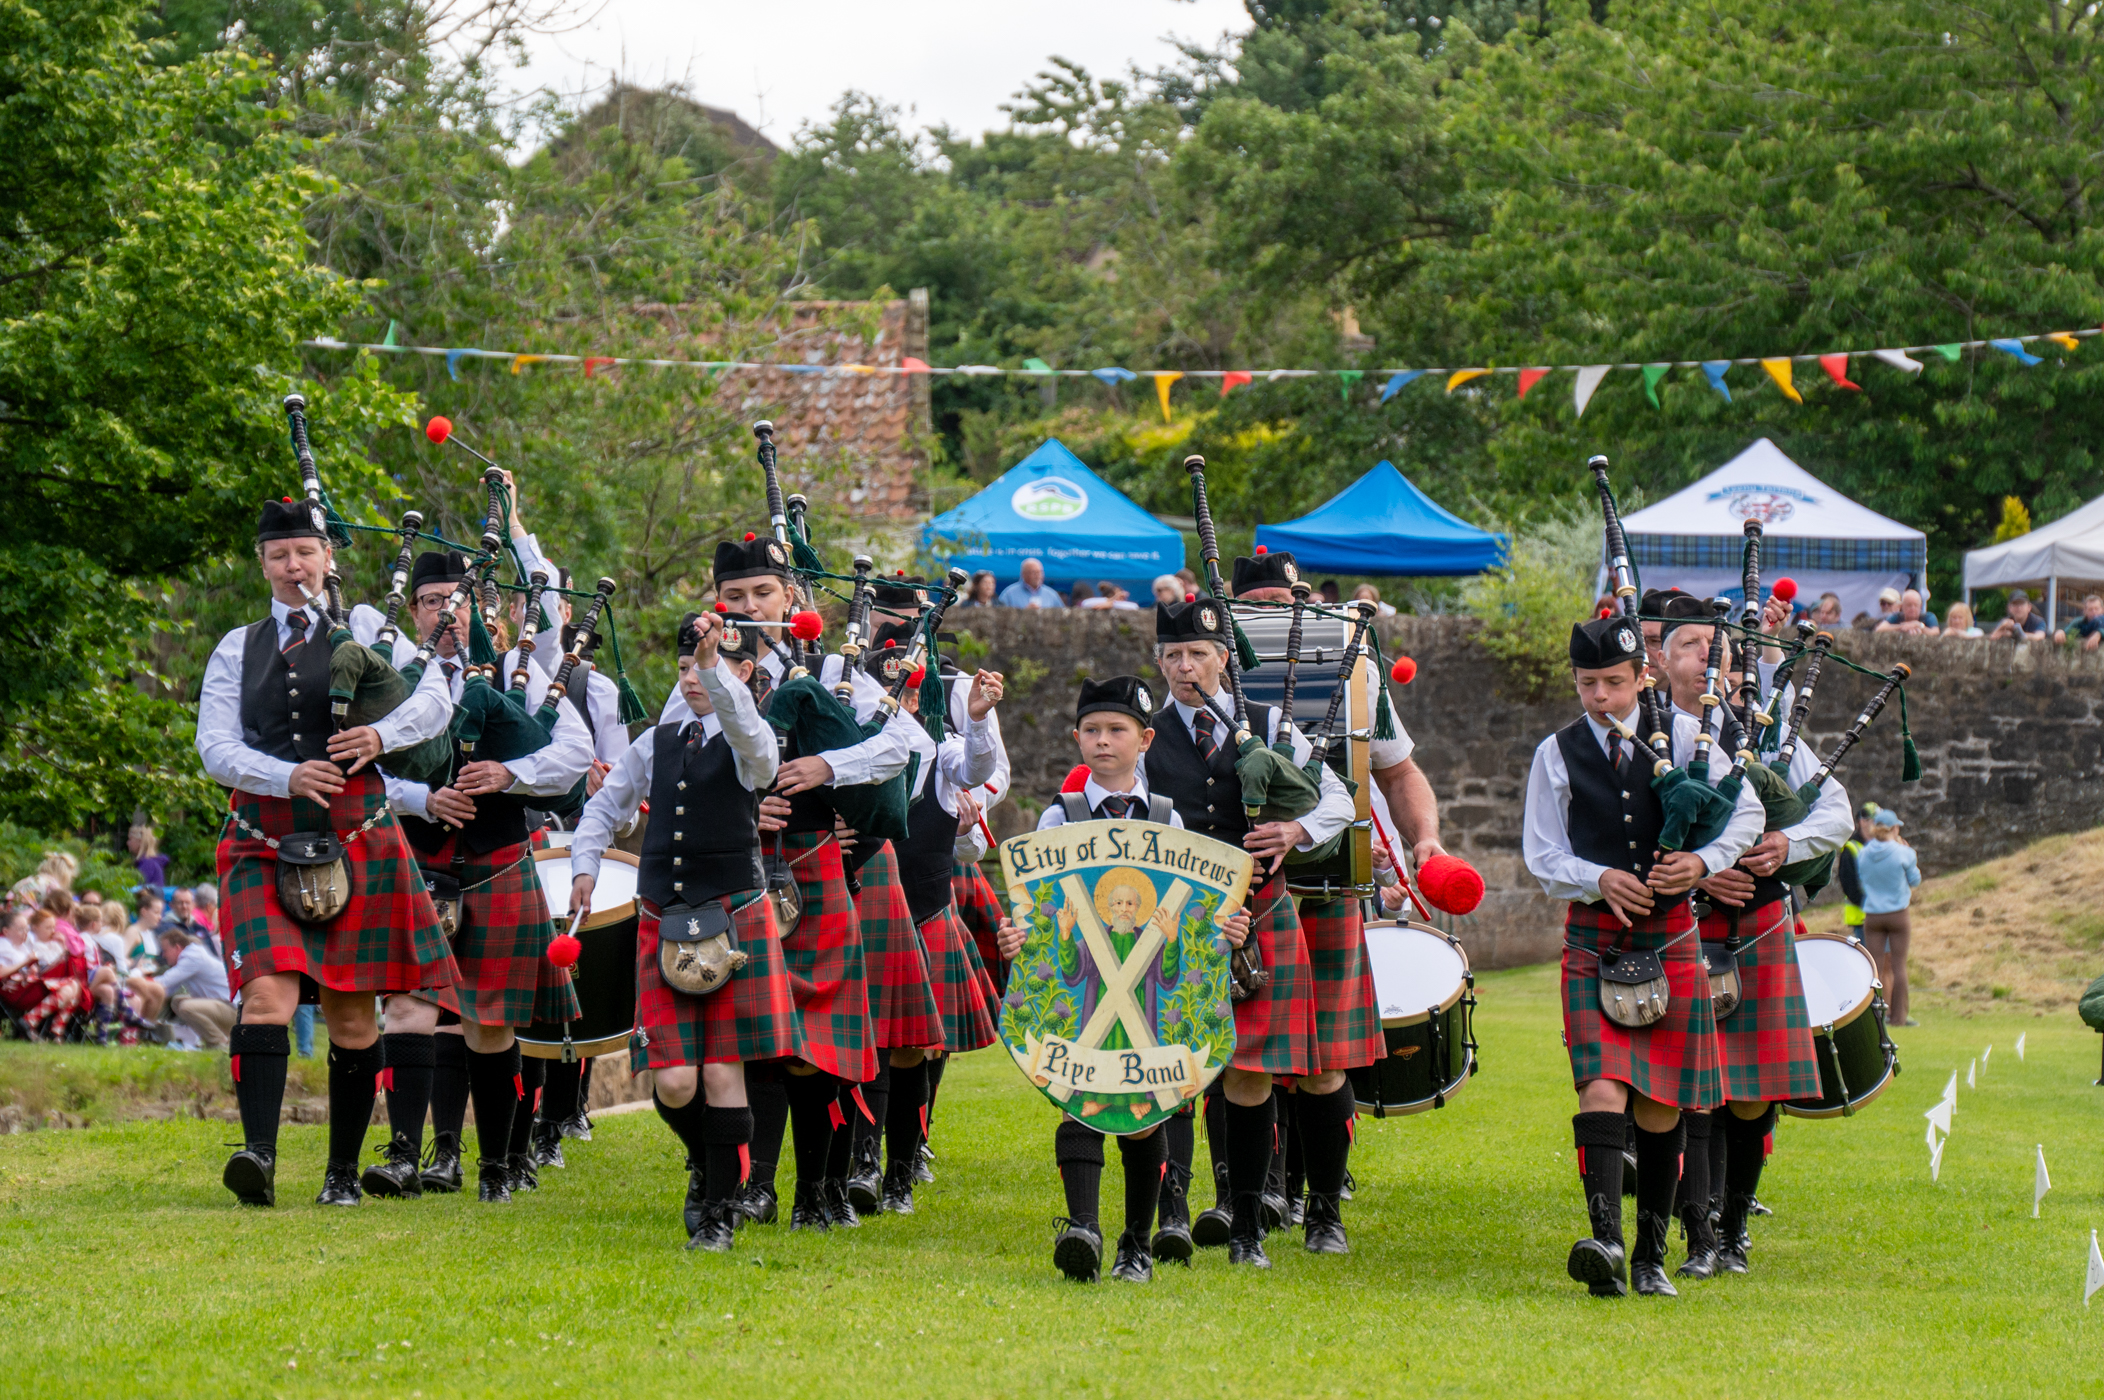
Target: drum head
(1838, 976)
(559, 840)
(1416, 970)
(613, 896)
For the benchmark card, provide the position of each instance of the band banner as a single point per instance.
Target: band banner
(1117, 1007)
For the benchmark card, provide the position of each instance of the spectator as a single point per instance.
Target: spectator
(21, 966)
(66, 962)
(303, 1029)
(1030, 591)
(106, 930)
(1373, 595)
(979, 593)
(1190, 580)
(1911, 617)
(194, 989)
(182, 917)
(1083, 591)
(2088, 628)
(1958, 622)
(2023, 623)
(1331, 594)
(147, 859)
(1888, 872)
(64, 909)
(145, 929)
(1168, 589)
(1888, 601)
(1845, 872)
(1827, 612)
(1109, 595)
(206, 896)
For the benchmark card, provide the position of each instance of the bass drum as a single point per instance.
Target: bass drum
(1846, 1003)
(605, 975)
(1427, 1002)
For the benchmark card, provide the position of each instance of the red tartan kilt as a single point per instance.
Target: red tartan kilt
(1673, 1061)
(963, 991)
(501, 946)
(1275, 1029)
(22, 989)
(901, 1000)
(1765, 1046)
(979, 906)
(386, 940)
(1347, 1014)
(824, 957)
(752, 1017)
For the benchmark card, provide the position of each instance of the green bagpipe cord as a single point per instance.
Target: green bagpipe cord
(374, 689)
(934, 695)
(632, 710)
(815, 718)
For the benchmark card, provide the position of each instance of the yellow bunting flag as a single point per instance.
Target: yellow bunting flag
(2064, 340)
(518, 360)
(1779, 371)
(1161, 389)
(1461, 376)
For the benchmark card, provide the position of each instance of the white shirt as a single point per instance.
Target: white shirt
(601, 696)
(196, 973)
(1826, 827)
(366, 622)
(964, 759)
(876, 759)
(627, 785)
(1545, 843)
(232, 763)
(971, 842)
(1333, 811)
(1093, 792)
(547, 772)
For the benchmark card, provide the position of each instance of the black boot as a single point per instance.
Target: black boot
(397, 1174)
(258, 1061)
(898, 1187)
(252, 1175)
(548, 1144)
(865, 1124)
(715, 1229)
(1215, 1223)
(1173, 1240)
(697, 1200)
(441, 1169)
(339, 1185)
(1598, 1261)
(524, 1175)
(1078, 1250)
(1647, 1267)
(1743, 1161)
(493, 1182)
(1693, 1203)
(807, 1209)
(1657, 1182)
(756, 1199)
(1245, 1239)
(1273, 1205)
(1323, 1224)
(1135, 1264)
(840, 1211)
(867, 1183)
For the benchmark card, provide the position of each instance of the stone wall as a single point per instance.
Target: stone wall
(2011, 742)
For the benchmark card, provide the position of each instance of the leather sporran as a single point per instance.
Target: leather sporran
(697, 947)
(1633, 988)
(783, 894)
(445, 897)
(314, 878)
(1725, 991)
(1246, 973)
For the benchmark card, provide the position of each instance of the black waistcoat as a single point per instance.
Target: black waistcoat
(285, 708)
(928, 856)
(703, 840)
(1613, 821)
(1207, 795)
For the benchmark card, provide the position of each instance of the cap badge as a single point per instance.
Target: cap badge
(1292, 574)
(1142, 698)
(1208, 620)
(1625, 639)
(776, 553)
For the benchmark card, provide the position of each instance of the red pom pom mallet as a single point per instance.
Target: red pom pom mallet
(563, 950)
(1403, 671)
(1786, 589)
(806, 626)
(1077, 779)
(439, 429)
(1451, 884)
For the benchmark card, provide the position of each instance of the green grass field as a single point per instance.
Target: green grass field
(130, 1273)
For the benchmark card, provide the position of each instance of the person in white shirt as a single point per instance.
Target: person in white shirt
(194, 989)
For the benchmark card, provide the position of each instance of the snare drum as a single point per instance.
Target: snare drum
(605, 974)
(1847, 1007)
(1427, 1002)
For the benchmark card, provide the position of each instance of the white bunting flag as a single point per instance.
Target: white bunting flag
(2020, 1046)
(1589, 377)
(1936, 1159)
(1899, 359)
(1939, 1116)
(2041, 1184)
(1969, 1072)
(2095, 1280)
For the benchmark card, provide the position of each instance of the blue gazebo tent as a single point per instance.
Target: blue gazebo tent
(1383, 526)
(1052, 508)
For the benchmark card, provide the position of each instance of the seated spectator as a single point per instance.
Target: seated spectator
(1958, 622)
(1109, 595)
(979, 593)
(182, 917)
(194, 989)
(2023, 623)
(59, 870)
(144, 932)
(106, 931)
(1030, 591)
(1329, 592)
(1827, 611)
(1083, 592)
(2088, 628)
(1189, 578)
(1373, 595)
(206, 896)
(1888, 601)
(65, 962)
(21, 966)
(1911, 617)
(1168, 589)
(145, 847)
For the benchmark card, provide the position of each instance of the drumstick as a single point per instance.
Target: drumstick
(1404, 879)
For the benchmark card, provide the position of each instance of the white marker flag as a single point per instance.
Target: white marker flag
(2041, 1185)
(1970, 1069)
(1940, 1116)
(1950, 1090)
(2020, 1045)
(1936, 1158)
(2095, 1280)
(1983, 1056)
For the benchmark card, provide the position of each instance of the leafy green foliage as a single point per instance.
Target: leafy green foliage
(1528, 607)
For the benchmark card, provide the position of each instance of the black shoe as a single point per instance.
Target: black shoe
(576, 1126)
(493, 1182)
(1134, 1263)
(807, 1210)
(840, 1211)
(1078, 1250)
(715, 1229)
(1735, 1244)
(1212, 1227)
(1271, 1210)
(1650, 1280)
(1731, 1259)
(865, 1183)
(898, 1188)
(756, 1199)
(1701, 1262)
(1350, 1185)
(524, 1177)
(696, 1203)
(1172, 1241)
(339, 1185)
(1323, 1224)
(252, 1175)
(1245, 1240)
(396, 1176)
(548, 1145)
(1647, 1269)
(1599, 1265)
(441, 1170)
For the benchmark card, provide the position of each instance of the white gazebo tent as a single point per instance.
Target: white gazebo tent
(2070, 550)
(1820, 538)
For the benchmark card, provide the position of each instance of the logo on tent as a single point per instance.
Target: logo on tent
(1767, 504)
(1049, 498)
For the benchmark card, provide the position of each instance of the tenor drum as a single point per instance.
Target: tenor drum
(1427, 1002)
(1847, 1007)
(605, 974)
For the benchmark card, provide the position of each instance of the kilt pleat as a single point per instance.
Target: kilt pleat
(962, 988)
(751, 1017)
(1673, 1061)
(824, 959)
(1765, 1046)
(901, 993)
(1347, 1015)
(501, 945)
(1275, 1029)
(979, 906)
(387, 939)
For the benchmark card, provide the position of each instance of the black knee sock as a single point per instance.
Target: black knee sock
(584, 1087)
(410, 1061)
(1658, 1171)
(1599, 1137)
(1079, 1152)
(353, 1083)
(449, 1084)
(1216, 1143)
(1295, 1173)
(1748, 1152)
(1143, 1158)
(729, 1135)
(1694, 1168)
(533, 1073)
(769, 1098)
(1719, 1159)
(1250, 1133)
(902, 1123)
(559, 1090)
(841, 1145)
(260, 1054)
(686, 1123)
(493, 1083)
(812, 1099)
(876, 1097)
(1325, 1122)
(934, 1083)
(1178, 1144)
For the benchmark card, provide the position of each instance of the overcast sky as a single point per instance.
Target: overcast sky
(782, 64)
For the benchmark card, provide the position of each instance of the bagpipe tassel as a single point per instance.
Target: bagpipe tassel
(1909, 756)
(1384, 717)
(632, 711)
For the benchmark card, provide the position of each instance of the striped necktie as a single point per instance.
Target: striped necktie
(1117, 806)
(297, 621)
(1208, 741)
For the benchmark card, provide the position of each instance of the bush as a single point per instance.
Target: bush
(1528, 607)
(22, 850)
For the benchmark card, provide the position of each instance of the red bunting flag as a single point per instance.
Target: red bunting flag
(1529, 378)
(1836, 367)
(592, 362)
(913, 366)
(1233, 379)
